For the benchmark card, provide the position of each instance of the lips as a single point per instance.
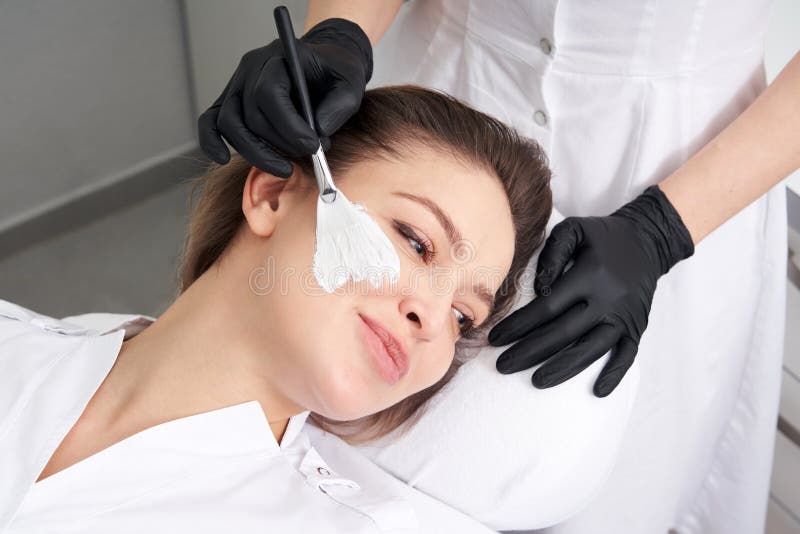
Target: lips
(391, 344)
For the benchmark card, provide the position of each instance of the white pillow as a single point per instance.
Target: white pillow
(512, 456)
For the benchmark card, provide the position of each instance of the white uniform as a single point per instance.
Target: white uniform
(619, 94)
(218, 471)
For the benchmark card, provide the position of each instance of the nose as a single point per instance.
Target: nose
(427, 315)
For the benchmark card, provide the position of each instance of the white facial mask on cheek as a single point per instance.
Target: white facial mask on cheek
(350, 244)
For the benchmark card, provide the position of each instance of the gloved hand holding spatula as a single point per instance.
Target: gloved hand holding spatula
(257, 115)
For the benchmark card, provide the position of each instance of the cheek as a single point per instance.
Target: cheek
(434, 364)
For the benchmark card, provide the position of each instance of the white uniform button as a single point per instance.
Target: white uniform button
(546, 46)
(540, 117)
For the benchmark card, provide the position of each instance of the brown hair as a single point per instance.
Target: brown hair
(390, 121)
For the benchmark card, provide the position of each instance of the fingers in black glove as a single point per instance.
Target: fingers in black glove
(544, 341)
(249, 145)
(336, 107)
(603, 301)
(538, 312)
(270, 111)
(574, 359)
(613, 371)
(209, 135)
(556, 253)
(256, 112)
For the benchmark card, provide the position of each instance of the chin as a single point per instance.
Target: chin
(338, 413)
(344, 396)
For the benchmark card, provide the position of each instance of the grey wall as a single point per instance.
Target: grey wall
(90, 91)
(221, 32)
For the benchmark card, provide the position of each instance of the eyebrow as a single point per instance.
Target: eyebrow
(453, 236)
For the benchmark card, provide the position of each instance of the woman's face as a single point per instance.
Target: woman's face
(321, 344)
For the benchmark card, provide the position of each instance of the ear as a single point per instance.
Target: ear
(262, 197)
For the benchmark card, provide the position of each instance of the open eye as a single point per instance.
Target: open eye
(422, 247)
(465, 321)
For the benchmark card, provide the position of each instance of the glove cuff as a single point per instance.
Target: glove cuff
(344, 33)
(663, 224)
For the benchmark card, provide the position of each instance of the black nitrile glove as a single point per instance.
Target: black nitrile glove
(602, 301)
(256, 113)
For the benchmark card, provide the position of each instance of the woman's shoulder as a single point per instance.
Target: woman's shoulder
(29, 342)
(49, 369)
(102, 323)
(41, 353)
(14, 318)
(35, 348)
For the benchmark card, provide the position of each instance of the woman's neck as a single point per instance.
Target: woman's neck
(195, 358)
